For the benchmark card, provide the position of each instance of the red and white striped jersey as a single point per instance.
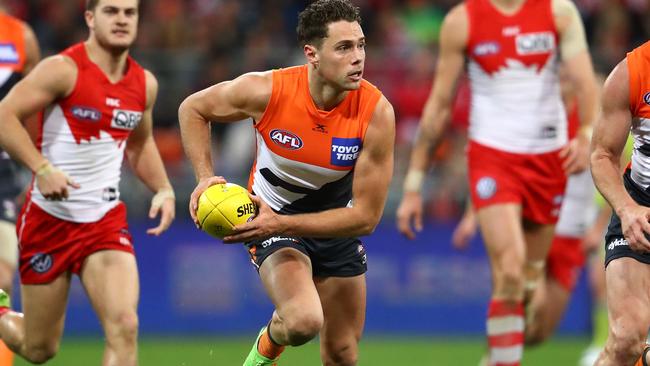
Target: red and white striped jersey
(85, 133)
(513, 69)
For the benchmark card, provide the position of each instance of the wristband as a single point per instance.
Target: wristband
(161, 196)
(413, 181)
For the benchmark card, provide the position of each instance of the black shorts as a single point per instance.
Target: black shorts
(615, 244)
(339, 257)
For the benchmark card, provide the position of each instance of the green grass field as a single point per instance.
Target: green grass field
(374, 352)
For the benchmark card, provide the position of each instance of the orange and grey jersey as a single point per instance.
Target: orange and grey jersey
(638, 63)
(306, 156)
(12, 63)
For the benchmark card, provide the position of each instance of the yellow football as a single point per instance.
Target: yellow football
(222, 207)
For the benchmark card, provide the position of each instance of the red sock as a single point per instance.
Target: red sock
(505, 333)
(267, 348)
(4, 310)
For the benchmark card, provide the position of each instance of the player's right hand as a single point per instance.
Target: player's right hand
(200, 187)
(53, 183)
(409, 214)
(635, 227)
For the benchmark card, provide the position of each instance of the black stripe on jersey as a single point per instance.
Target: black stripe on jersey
(645, 149)
(331, 195)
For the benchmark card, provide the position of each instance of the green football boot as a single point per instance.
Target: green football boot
(5, 301)
(255, 359)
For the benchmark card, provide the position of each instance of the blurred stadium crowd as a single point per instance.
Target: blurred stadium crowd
(191, 44)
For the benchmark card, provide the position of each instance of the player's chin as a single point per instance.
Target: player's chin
(351, 84)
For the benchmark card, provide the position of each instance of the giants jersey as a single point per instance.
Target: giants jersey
(84, 134)
(306, 156)
(12, 62)
(513, 69)
(638, 64)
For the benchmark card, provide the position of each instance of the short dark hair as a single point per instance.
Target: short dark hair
(313, 21)
(92, 4)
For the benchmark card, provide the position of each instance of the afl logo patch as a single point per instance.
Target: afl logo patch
(286, 139)
(86, 113)
(41, 262)
(486, 187)
(646, 98)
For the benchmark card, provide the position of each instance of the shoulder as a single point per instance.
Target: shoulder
(253, 88)
(565, 14)
(455, 27)
(616, 91)
(58, 67)
(384, 114)
(151, 86)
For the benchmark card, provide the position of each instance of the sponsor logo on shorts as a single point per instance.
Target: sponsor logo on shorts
(345, 151)
(486, 187)
(617, 243)
(125, 120)
(286, 139)
(9, 209)
(41, 262)
(487, 48)
(268, 242)
(125, 241)
(361, 250)
(535, 43)
(646, 98)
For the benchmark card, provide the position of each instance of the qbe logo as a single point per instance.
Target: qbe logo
(125, 120)
(345, 151)
(535, 43)
(41, 262)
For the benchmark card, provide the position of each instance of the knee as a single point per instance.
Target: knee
(123, 326)
(509, 281)
(303, 327)
(40, 354)
(340, 354)
(624, 345)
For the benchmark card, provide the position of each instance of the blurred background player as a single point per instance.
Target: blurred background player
(518, 140)
(98, 104)
(19, 53)
(325, 159)
(626, 107)
(566, 257)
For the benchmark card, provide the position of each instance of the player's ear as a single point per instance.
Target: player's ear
(89, 16)
(312, 54)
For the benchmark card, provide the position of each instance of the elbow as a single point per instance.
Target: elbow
(368, 225)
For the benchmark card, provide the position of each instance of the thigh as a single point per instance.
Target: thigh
(287, 278)
(344, 309)
(503, 234)
(44, 311)
(628, 298)
(8, 244)
(110, 278)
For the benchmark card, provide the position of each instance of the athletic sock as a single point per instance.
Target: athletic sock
(505, 333)
(267, 347)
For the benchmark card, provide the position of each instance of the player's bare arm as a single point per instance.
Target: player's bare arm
(610, 134)
(142, 153)
(229, 101)
(52, 78)
(372, 174)
(577, 61)
(32, 50)
(435, 116)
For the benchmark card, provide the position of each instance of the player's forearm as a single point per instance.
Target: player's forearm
(15, 140)
(432, 127)
(338, 222)
(147, 164)
(605, 171)
(195, 135)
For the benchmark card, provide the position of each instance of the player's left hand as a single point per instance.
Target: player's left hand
(163, 202)
(575, 155)
(464, 231)
(265, 224)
